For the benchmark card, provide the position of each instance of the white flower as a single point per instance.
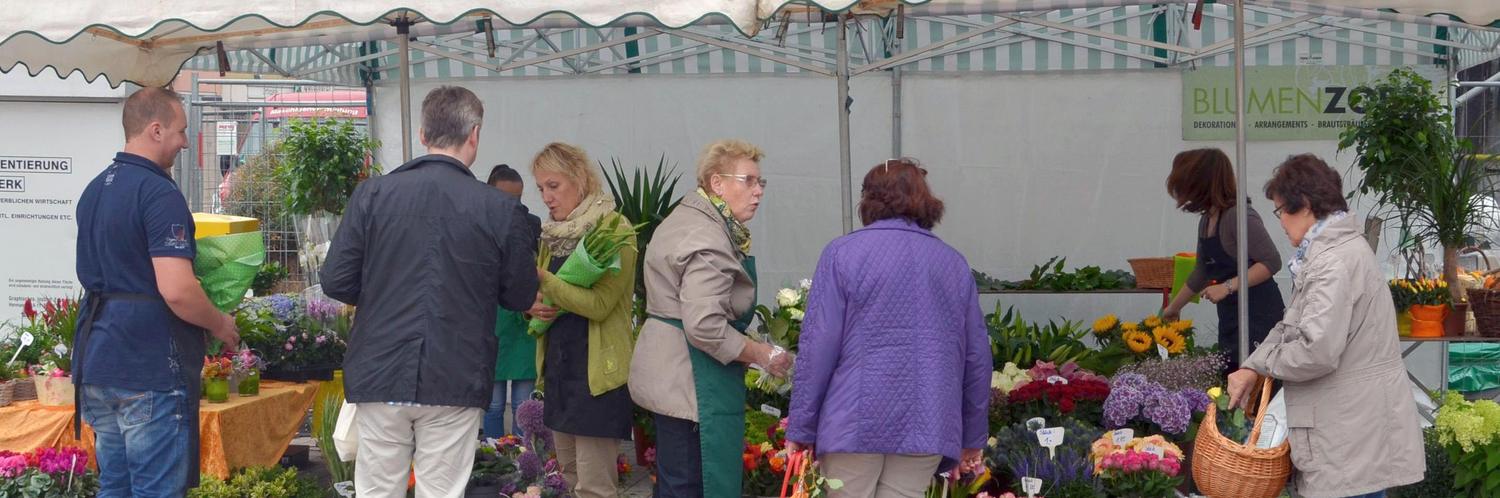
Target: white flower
(60, 349)
(787, 297)
(796, 314)
(805, 284)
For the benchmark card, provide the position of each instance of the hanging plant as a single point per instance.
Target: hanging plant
(321, 163)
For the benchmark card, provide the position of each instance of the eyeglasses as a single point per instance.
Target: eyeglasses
(748, 179)
(1277, 211)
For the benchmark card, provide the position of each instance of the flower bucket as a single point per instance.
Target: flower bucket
(54, 391)
(216, 390)
(1403, 323)
(1427, 320)
(1457, 320)
(250, 385)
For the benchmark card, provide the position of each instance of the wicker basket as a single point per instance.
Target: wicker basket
(1153, 273)
(1485, 303)
(7, 393)
(1226, 469)
(25, 389)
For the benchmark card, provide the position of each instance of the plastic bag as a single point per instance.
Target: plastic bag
(581, 270)
(1273, 429)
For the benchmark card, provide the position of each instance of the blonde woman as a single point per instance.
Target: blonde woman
(689, 367)
(583, 360)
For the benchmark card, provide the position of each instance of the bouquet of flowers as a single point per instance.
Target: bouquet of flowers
(783, 326)
(1403, 295)
(1145, 405)
(218, 367)
(1056, 392)
(49, 472)
(1425, 291)
(598, 253)
(1131, 342)
(292, 333)
(1470, 431)
(1145, 467)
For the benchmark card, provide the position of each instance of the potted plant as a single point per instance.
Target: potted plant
(246, 367)
(1470, 431)
(1429, 306)
(321, 163)
(50, 472)
(1417, 169)
(216, 379)
(1402, 295)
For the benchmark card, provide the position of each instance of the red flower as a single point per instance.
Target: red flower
(749, 462)
(29, 311)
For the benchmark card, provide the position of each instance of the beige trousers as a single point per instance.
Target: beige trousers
(588, 464)
(442, 440)
(879, 476)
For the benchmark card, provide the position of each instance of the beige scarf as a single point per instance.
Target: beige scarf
(561, 237)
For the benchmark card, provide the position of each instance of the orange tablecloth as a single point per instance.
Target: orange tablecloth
(243, 432)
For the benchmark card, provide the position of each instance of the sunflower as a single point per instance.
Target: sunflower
(1138, 341)
(1130, 327)
(1105, 324)
(1152, 322)
(1181, 325)
(1170, 339)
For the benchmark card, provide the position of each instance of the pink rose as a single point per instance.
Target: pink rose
(288, 346)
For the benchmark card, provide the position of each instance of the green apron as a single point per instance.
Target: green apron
(721, 409)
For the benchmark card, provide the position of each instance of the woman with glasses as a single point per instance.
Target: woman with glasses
(689, 363)
(1202, 182)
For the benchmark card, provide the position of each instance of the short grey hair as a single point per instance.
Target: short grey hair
(449, 113)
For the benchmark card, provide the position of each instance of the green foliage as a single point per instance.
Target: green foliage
(756, 425)
(1406, 128)
(1050, 276)
(338, 469)
(1439, 479)
(1013, 339)
(321, 163)
(33, 483)
(260, 482)
(270, 274)
(645, 198)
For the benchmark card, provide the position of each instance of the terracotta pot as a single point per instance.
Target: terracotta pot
(1456, 321)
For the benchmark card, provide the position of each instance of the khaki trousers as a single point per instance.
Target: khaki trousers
(588, 464)
(442, 440)
(880, 476)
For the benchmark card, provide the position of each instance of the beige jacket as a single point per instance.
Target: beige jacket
(1354, 427)
(693, 274)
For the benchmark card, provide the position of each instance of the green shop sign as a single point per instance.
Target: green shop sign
(1283, 102)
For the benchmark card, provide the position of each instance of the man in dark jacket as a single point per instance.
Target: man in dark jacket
(426, 253)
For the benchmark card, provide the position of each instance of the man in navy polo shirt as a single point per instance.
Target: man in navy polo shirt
(140, 343)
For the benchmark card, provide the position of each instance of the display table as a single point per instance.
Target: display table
(243, 432)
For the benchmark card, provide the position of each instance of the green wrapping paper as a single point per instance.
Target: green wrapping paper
(226, 266)
(581, 270)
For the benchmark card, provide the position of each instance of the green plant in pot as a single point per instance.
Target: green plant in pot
(321, 163)
(1416, 169)
(645, 198)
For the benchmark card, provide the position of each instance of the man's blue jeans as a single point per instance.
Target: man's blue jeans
(494, 417)
(140, 440)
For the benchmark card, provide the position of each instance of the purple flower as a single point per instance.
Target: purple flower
(555, 482)
(529, 417)
(1196, 400)
(1133, 397)
(282, 307)
(1169, 412)
(530, 465)
(508, 489)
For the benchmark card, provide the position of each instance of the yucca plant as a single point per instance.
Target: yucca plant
(646, 197)
(1452, 205)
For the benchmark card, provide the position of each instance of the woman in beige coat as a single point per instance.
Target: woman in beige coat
(689, 363)
(1354, 429)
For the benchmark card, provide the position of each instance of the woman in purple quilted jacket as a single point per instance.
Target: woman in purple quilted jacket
(892, 384)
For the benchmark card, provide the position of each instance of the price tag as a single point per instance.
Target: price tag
(1123, 437)
(1050, 438)
(1161, 351)
(1156, 450)
(770, 410)
(1057, 379)
(1031, 486)
(1035, 424)
(26, 340)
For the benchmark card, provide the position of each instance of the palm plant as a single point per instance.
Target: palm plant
(645, 198)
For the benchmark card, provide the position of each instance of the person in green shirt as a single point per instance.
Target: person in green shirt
(515, 364)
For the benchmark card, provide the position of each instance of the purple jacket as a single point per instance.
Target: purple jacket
(894, 356)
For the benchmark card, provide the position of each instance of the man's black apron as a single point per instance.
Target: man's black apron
(188, 343)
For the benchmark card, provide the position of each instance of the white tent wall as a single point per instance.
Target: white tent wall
(1029, 165)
